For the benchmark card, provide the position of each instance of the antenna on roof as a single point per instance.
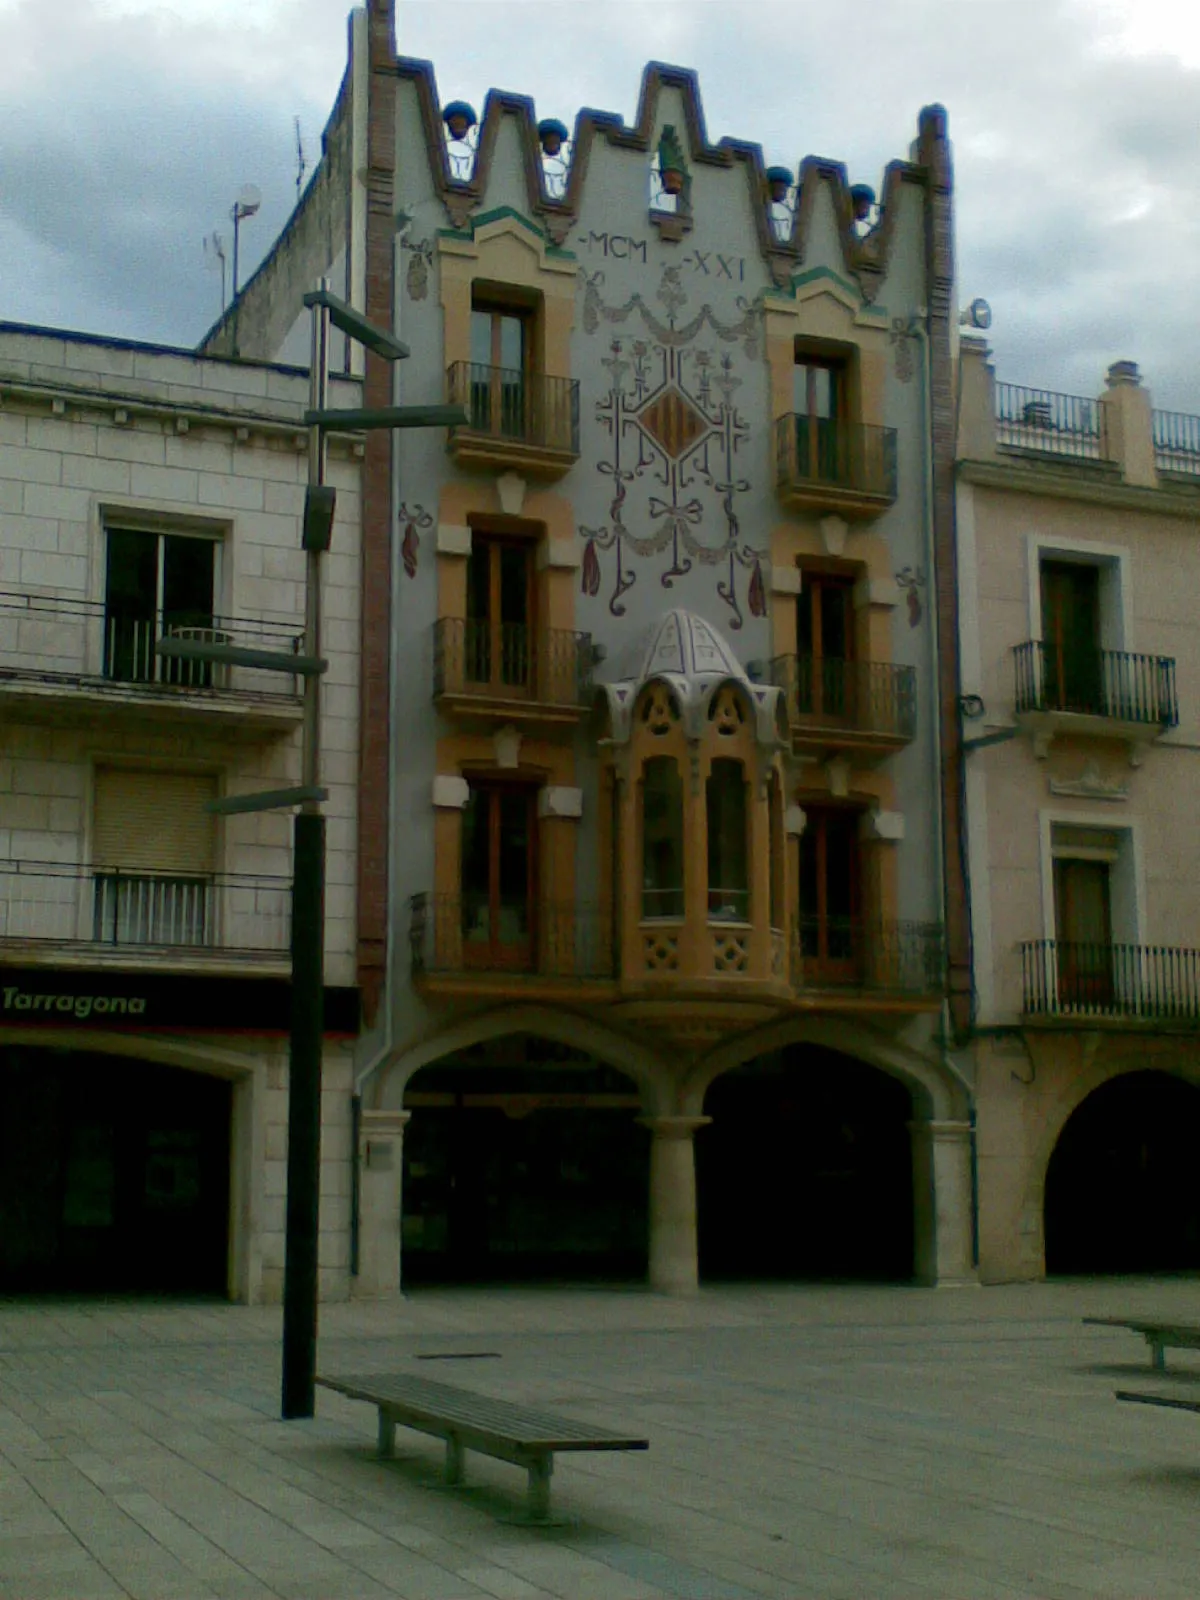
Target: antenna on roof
(214, 260)
(301, 161)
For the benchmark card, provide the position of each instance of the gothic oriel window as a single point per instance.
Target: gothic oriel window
(662, 838)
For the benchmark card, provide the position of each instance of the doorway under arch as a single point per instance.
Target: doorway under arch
(523, 1162)
(114, 1175)
(1121, 1191)
(805, 1172)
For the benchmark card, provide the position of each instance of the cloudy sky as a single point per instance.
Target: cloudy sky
(128, 126)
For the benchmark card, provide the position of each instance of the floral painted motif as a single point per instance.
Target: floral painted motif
(410, 543)
(675, 431)
(912, 579)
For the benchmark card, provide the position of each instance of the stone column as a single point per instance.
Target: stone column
(942, 1203)
(673, 1259)
(380, 1173)
(977, 400)
(1129, 425)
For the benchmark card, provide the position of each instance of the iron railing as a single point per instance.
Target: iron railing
(1071, 978)
(1176, 442)
(50, 639)
(507, 403)
(864, 696)
(1053, 424)
(825, 451)
(465, 933)
(70, 904)
(872, 955)
(1099, 683)
(552, 666)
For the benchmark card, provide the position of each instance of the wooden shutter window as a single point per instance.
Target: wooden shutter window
(154, 821)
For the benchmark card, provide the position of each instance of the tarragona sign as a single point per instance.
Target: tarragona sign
(80, 1006)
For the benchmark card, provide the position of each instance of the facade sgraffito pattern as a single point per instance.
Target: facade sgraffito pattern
(674, 433)
(414, 520)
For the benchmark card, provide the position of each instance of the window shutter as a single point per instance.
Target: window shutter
(154, 821)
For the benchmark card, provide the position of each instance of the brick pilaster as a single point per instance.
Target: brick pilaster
(934, 147)
(374, 756)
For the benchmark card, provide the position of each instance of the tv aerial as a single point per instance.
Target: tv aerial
(301, 160)
(247, 203)
(214, 260)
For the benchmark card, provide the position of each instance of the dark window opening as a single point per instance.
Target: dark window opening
(662, 838)
(498, 866)
(155, 584)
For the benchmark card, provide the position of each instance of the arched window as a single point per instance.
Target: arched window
(662, 838)
(728, 882)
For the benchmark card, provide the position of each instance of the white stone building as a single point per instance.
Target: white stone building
(144, 941)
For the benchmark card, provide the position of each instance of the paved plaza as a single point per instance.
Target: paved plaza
(805, 1441)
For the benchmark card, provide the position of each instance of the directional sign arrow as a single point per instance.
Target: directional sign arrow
(389, 417)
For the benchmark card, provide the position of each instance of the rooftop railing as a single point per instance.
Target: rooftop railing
(1052, 424)
(52, 639)
(1177, 442)
(44, 901)
(1067, 978)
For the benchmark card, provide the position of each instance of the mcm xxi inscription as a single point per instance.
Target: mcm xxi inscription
(704, 263)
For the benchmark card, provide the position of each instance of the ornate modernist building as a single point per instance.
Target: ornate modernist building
(659, 884)
(144, 941)
(1077, 528)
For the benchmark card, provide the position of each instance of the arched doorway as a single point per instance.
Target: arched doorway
(805, 1171)
(114, 1175)
(1121, 1189)
(523, 1161)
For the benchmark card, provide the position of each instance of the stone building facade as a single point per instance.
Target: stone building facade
(144, 941)
(659, 877)
(1077, 530)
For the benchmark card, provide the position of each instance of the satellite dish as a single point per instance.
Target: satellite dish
(248, 201)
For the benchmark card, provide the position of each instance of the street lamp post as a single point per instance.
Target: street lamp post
(300, 1278)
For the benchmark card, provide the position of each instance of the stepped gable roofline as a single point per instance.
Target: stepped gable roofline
(694, 660)
(865, 259)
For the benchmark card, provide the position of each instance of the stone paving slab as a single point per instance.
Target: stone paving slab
(805, 1441)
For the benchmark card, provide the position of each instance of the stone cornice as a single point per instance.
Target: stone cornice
(1025, 477)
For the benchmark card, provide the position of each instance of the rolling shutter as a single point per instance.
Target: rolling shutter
(154, 821)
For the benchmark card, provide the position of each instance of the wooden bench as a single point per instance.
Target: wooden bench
(1158, 1335)
(470, 1421)
(1170, 1400)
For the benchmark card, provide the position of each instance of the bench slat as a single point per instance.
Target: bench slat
(1169, 1400)
(1183, 1334)
(492, 1422)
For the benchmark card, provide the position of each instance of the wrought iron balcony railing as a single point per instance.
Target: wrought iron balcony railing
(1177, 442)
(465, 933)
(44, 901)
(869, 697)
(905, 958)
(45, 638)
(523, 407)
(1053, 424)
(512, 661)
(827, 453)
(1138, 689)
(1071, 979)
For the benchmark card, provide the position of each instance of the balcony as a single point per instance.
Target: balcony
(1176, 444)
(65, 661)
(50, 910)
(829, 466)
(839, 954)
(1102, 693)
(867, 708)
(1118, 982)
(511, 672)
(517, 421)
(1065, 425)
(549, 948)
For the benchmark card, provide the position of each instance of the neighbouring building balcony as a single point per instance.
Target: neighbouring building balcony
(1105, 693)
(467, 943)
(865, 707)
(826, 465)
(521, 421)
(1122, 982)
(1065, 425)
(1177, 443)
(48, 909)
(64, 659)
(511, 671)
(905, 959)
